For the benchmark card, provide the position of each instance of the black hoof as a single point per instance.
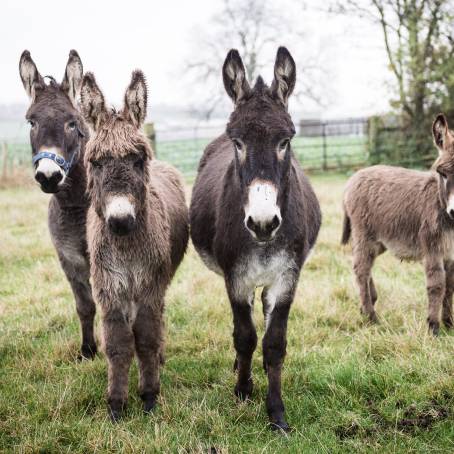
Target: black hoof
(280, 425)
(116, 409)
(88, 351)
(149, 401)
(434, 328)
(244, 390)
(448, 322)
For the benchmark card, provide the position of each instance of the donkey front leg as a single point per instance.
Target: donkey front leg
(274, 350)
(447, 301)
(86, 310)
(148, 336)
(119, 343)
(244, 340)
(436, 284)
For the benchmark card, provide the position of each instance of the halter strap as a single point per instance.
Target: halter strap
(59, 160)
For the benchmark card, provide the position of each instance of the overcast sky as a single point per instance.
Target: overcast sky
(114, 37)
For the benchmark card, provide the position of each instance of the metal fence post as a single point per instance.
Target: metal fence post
(324, 144)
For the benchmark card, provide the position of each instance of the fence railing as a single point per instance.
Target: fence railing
(318, 145)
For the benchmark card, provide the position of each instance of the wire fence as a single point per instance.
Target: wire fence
(318, 145)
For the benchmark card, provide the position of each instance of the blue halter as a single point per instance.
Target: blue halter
(59, 160)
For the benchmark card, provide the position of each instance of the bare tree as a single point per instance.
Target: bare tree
(256, 28)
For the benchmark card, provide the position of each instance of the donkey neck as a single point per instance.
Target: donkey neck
(73, 195)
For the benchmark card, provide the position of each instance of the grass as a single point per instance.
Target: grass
(348, 387)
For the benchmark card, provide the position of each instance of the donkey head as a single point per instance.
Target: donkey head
(117, 154)
(260, 129)
(444, 141)
(57, 129)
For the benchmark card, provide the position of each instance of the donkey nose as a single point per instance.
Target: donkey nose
(263, 230)
(48, 182)
(122, 226)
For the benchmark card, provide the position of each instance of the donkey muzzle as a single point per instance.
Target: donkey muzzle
(120, 215)
(122, 226)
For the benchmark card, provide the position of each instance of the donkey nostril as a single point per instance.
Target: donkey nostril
(275, 223)
(250, 223)
(451, 213)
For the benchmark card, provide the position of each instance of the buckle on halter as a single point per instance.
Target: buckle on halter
(60, 161)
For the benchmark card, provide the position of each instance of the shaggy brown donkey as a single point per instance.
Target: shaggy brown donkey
(411, 213)
(137, 231)
(254, 217)
(58, 135)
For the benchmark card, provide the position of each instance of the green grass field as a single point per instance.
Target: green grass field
(348, 387)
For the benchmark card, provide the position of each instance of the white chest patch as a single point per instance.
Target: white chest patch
(276, 274)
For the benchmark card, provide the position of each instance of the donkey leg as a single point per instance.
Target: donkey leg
(447, 300)
(372, 291)
(86, 310)
(244, 340)
(363, 259)
(148, 328)
(119, 343)
(436, 284)
(274, 350)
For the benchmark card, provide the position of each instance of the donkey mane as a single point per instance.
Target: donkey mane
(117, 138)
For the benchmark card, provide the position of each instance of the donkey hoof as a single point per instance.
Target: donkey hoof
(448, 322)
(244, 390)
(149, 401)
(116, 409)
(280, 425)
(88, 351)
(434, 328)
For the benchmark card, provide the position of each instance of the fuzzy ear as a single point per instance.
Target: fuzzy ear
(234, 76)
(284, 75)
(92, 102)
(440, 131)
(136, 99)
(31, 78)
(72, 80)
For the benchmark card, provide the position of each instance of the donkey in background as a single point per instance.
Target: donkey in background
(254, 218)
(58, 136)
(411, 213)
(137, 234)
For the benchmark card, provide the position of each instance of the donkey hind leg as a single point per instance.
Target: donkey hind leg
(274, 350)
(119, 344)
(447, 300)
(363, 258)
(244, 340)
(78, 278)
(436, 284)
(372, 289)
(148, 336)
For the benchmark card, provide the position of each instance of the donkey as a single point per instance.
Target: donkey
(137, 232)
(411, 213)
(254, 217)
(58, 136)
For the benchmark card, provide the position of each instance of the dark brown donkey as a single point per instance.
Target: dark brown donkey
(411, 213)
(254, 217)
(58, 135)
(137, 232)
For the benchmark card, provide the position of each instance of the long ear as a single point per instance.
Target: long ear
(284, 75)
(92, 102)
(31, 78)
(440, 131)
(72, 80)
(136, 99)
(234, 76)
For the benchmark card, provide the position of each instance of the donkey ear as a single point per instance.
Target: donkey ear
(31, 78)
(136, 99)
(72, 80)
(92, 102)
(284, 75)
(440, 131)
(234, 76)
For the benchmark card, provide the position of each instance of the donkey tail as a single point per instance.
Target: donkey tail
(347, 230)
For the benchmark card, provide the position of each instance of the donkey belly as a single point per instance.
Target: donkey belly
(403, 250)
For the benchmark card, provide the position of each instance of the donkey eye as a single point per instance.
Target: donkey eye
(238, 145)
(139, 163)
(96, 164)
(442, 174)
(72, 125)
(32, 123)
(284, 145)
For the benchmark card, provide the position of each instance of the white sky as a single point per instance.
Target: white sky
(114, 37)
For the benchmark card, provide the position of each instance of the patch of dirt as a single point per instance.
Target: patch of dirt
(424, 418)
